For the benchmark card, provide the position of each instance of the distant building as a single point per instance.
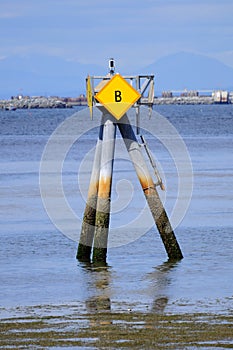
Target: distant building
(220, 96)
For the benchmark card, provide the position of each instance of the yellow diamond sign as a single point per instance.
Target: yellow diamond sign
(117, 96)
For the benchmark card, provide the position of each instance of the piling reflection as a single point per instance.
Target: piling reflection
(153, 286)
(160, 280)
(99, 287)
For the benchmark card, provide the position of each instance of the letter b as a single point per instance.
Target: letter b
(118, 97)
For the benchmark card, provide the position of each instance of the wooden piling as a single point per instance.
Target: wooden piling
(155, 204)
(89, 217)
(104, 191)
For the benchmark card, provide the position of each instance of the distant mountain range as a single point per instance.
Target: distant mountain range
(46, 75)
(190, 71)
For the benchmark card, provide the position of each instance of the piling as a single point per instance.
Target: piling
(102, 216)
(88, 224)
(154, 202)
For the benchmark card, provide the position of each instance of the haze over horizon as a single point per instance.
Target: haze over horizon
(51, 43)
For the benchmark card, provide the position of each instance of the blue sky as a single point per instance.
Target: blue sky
(134, 32)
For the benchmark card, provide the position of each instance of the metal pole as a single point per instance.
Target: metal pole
(155, 204)
(88, 225)
(104, 190)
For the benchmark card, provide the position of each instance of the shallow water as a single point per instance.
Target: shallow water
(37, 262)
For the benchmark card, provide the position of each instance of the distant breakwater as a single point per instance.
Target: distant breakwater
(180, 100)
(194, 98)
(57, 102)
(32, 102)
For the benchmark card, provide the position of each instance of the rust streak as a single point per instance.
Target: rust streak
(93, 189)
(146, 183)
(105, 187)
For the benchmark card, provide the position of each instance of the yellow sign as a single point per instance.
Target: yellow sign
(117, 96)
(89, 95)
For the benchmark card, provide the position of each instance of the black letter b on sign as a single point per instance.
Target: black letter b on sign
(118, 97)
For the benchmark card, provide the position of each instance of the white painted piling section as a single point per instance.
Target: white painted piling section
(104, 189)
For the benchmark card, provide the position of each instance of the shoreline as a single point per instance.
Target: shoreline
(58, 102)
(40, 102)
(32, 103)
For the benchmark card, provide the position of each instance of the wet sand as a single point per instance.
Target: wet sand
(66, 327)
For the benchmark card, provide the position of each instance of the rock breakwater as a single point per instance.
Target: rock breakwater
(178, 100)
(60, 102)
(32, 102)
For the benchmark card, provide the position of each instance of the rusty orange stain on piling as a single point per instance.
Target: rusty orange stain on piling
(104, 186)
(93, 188)
(146, 183)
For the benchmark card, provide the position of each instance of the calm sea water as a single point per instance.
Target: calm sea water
(37, 261)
